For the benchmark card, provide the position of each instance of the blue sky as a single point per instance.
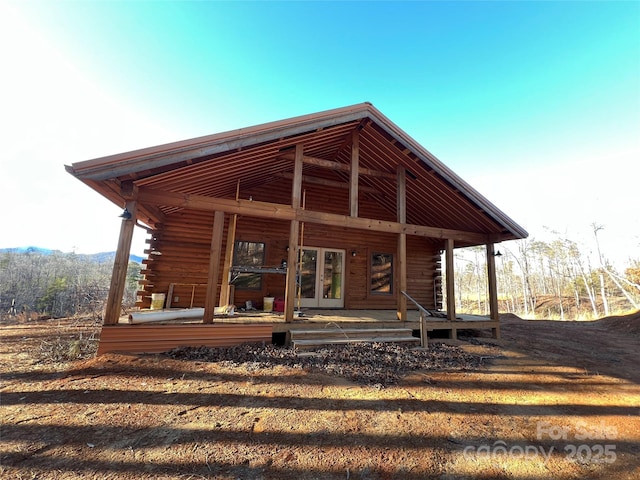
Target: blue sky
(536, 104)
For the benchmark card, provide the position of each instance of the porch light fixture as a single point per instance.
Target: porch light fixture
(353, 253)
(126, 214)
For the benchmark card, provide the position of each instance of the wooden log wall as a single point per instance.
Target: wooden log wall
(437, 281)
(184, 258)
(178, 253)
(183, 244)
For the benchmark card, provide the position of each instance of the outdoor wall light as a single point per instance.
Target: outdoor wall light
(126, 214)
(353, 253)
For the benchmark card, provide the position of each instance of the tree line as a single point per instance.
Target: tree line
(552, 279)
(59, 284)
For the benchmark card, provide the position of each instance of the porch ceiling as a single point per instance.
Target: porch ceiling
(212, 166)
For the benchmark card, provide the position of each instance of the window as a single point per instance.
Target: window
(248, 254)
(382, 273)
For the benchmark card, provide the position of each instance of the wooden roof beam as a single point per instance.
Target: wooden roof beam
(118, 194)
(355, 170)
(339, 166)
(327, 183)
(278, 211)
(348, 138)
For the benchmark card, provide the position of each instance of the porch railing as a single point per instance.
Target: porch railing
(423, 314)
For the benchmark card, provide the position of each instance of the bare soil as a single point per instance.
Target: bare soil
(549, 400)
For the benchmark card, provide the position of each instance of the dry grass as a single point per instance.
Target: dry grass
(70, 340)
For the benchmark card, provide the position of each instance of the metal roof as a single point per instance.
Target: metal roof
(212, 166)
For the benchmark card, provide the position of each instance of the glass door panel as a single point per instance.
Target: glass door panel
(332, 279)
(322, 278)
(308, 273)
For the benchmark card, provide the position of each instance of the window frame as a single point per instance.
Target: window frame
(249, 276)
(391, 274)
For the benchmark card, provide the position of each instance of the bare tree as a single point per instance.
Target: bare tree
(603, 265)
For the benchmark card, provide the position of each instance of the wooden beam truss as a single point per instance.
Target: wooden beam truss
(278, 211)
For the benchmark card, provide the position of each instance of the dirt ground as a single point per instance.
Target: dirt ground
(552, 400)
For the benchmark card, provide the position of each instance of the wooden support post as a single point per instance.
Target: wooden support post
(296, 188)
(228, 256)
(170, 295)
(401, 204)
(228, 261)
(493, 288)
(120, 264)
(402, 272)
(215, 252)
(355, 171)
(451, 289)
(294, 232)
(292, 261)
(424, 334)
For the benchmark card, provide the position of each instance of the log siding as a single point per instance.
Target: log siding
(184, 258)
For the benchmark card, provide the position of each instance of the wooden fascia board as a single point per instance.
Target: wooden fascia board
(277, 211)
(126, 164)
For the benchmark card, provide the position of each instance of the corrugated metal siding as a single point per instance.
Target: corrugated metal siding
(162, 338)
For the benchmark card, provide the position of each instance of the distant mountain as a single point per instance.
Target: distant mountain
(109, 256)
(94, 257)
(42, 251)
(136, 258)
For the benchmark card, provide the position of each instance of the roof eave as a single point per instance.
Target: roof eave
(113, 166)
(433, 162)
(94, 171)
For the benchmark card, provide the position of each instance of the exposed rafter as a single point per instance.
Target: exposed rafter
(286, 212)
(211, 166)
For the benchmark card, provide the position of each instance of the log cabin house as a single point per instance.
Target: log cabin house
(335, 210)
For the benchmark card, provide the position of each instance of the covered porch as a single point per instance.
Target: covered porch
(343, 203)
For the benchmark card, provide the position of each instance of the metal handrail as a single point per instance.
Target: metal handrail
(423, 313)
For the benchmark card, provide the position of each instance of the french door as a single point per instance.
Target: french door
(322, 278)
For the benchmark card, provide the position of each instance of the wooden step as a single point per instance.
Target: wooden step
(307, 339)
(350, 333)
(319, 342)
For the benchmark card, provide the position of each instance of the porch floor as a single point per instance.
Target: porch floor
(324, 318)
(261, 326)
